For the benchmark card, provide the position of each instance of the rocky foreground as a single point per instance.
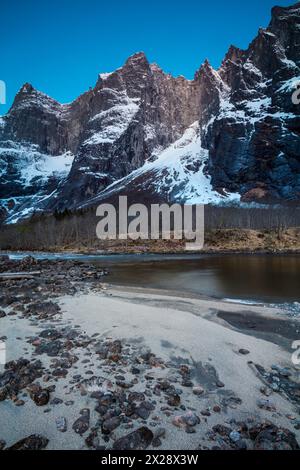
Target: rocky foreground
(65, 388)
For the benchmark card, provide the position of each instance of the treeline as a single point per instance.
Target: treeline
(252, 218)
(77, 230)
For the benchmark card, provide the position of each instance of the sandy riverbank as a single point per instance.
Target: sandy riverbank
(129, 359)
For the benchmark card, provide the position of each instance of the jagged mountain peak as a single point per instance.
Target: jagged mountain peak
(144, 132)
(28, 96)
(206, 65)
(209, 79)
(27, 88)
(206, 69)
(234, 54)
(137, 58)
(284, 12)
(136, 68)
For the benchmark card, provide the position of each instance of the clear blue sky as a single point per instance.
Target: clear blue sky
(61, 46)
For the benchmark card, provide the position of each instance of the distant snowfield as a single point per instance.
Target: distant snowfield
(32, 164)
(114, 121)
(290, 85)
(45, 166)
(32, 168)
(177, 170)
(24, 206)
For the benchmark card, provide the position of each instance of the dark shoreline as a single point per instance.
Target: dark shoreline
(155, 253)
(157, 271)
(146, 391)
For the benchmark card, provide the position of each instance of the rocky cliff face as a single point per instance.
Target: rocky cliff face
(228, 134)
(133, 112)
(253, 142)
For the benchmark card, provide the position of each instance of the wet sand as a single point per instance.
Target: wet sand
(194, 344)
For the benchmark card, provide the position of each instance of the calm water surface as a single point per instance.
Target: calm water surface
(259, 278)
(265, 278)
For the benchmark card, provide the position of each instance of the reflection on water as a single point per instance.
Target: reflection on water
(266, 278)
(255, 277)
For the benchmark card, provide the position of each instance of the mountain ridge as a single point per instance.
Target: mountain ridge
(246, 146)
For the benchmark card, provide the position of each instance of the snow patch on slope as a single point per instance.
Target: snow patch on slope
(104, 76)
(113, 122)
(259, 105)
(250, 67)
(23, 206)
(178, 171)
(254, 111)
(290, 85)
(31, 164)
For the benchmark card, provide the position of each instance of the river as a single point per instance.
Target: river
(248, 278)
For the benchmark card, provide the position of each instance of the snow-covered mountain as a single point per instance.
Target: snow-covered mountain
(228, 135)
(176, 173)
